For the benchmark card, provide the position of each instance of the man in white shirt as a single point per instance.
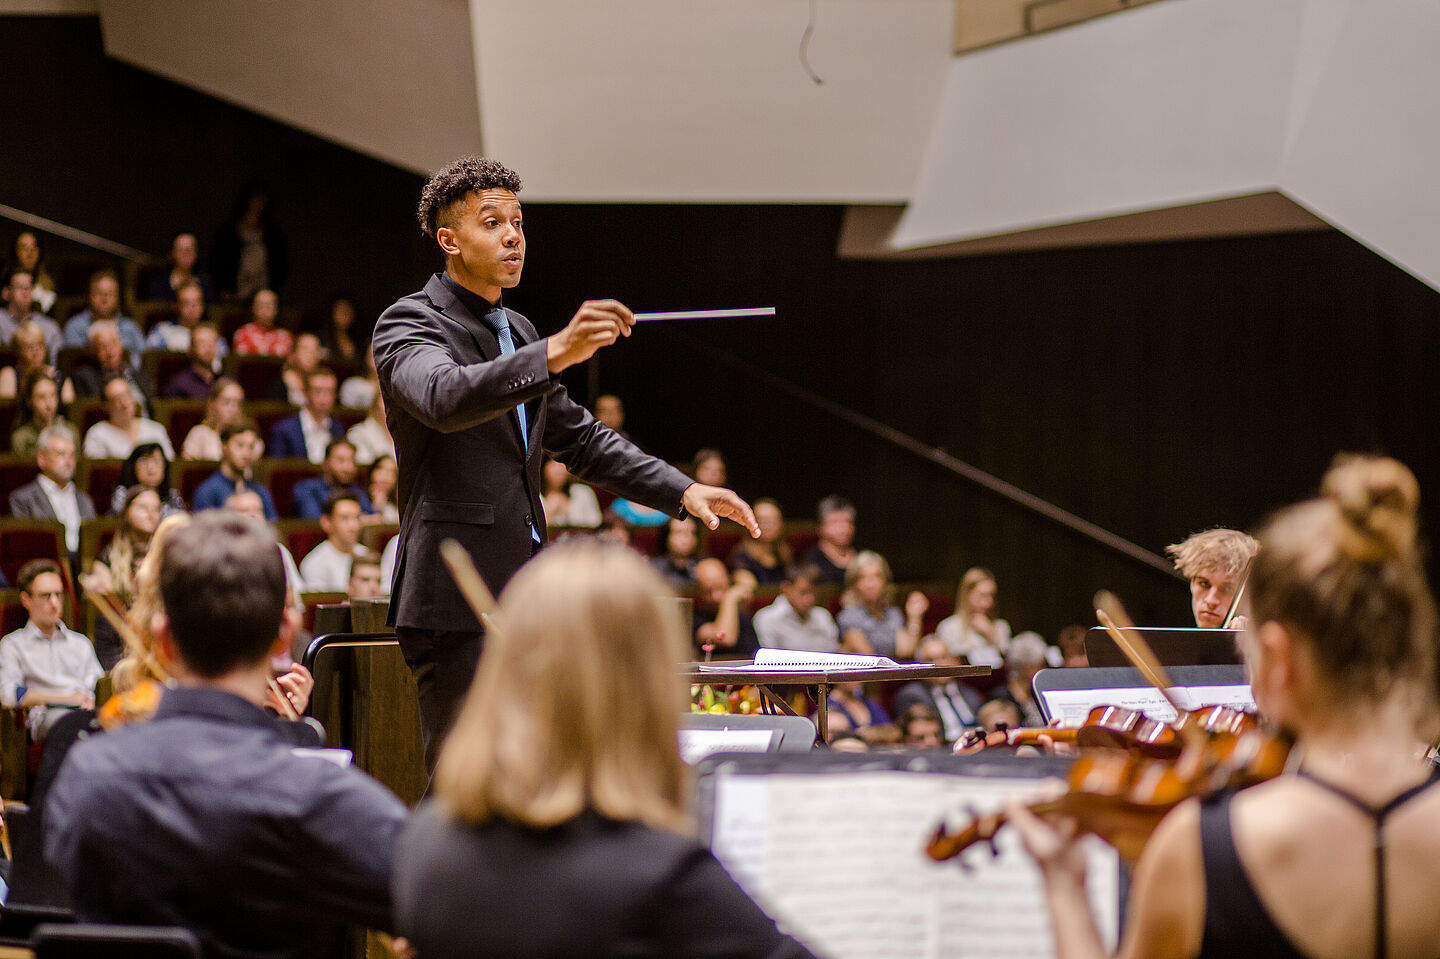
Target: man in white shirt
(45, 667)
(327, 567)
(54, 495)
(310, 431)
(115, 437)
(794, 620)
(248, 503)
(174, 335)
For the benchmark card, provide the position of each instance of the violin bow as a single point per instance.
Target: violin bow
(472, 585)
(107, 609)
(1111, 614)
(1239, 595)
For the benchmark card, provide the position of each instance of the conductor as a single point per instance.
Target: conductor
(474, 402)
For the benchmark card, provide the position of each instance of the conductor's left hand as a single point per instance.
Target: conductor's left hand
(709, 503)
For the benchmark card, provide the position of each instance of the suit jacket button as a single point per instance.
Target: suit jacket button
(529, 520)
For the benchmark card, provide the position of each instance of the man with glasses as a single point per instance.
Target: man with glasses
(45, 667)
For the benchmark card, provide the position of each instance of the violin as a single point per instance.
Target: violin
(1121, 795)
(1106, 727)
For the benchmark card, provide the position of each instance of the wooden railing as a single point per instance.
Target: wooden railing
(984, 23)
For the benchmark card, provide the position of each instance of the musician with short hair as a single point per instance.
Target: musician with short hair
(1214, 562)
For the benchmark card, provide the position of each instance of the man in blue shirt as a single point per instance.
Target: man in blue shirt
(104, 304)
(205, 816)
(339, 475)
(239, 449)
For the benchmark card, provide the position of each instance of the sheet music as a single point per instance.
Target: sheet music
(696, 744)
(838, 860)
(1073, 705)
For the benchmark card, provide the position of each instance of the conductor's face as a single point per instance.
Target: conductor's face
(484, 242)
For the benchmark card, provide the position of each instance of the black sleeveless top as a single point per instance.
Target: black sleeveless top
(1236, 923)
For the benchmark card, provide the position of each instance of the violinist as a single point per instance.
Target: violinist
(1214, 562)
(1340, 858)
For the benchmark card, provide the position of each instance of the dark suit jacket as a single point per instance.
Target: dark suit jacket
(450, 401)
(288, 438)
(30, 502)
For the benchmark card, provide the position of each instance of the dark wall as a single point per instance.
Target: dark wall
(1154, 390)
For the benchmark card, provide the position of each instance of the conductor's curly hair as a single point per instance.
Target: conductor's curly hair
(455, 182)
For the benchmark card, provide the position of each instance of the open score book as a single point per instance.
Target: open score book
(803, 661)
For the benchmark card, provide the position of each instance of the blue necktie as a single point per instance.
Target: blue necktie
(507, 346)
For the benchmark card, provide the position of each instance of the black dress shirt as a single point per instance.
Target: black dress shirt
(204, 817)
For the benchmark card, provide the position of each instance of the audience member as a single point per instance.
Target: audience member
(262, 336)
(205, 817)
(147, 466)
(184, 254)
(919, 725)
(795, 620)
(45, 667)
(567, 501)
(1214, 562)
(973, 631)
(869, 622)
(364, 580)
(850, 708)
(104, 362)
(308, 433)
(303, 359)
(226, 404)
(766, 558)
(384, 476)
(610, 410)
(636, 514)
(1072, 646)
(53, 494)
(123, 428)
(115, 571)
(19, 295)
(709, 467)
(956, 704)
(249, 254)
(614, 529)
(339, 473)
(999, 714)
(174, 335)
(39, 409)
(1025, 658)
(199, 376)
(337, 332)
(247, 502)
(104, 304)
(327, 567)
(835, 546)
(31, 354)
(239, 449)
(387, 564)
(679, 548)
(28, 258)
(371, 435)
(847, 741)
(720, 618)
(583, 628)
(358, 392)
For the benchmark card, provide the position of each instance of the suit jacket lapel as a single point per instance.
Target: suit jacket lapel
(450, 305)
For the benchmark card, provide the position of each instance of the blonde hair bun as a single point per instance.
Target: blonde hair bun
(1379, 499)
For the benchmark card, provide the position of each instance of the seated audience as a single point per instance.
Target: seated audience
(31, 356)
(919, 725)
(27, 257)
(20, 308)
(1027, 656)
(39, 409)
(384, 477)
(847, 741)
(768, 557)
(104, 304)
(239, 449)
(614, 529)
(247, 502)
(104, 362)
(1214, 562)
(175, 335)
(387, 565)
(582, 628)
(835, 547)
(327, 567)
(339, 472)
(358, 392)
(973, 631)
(114, 572)
(636, 514)
(850, 708)
(610, 410)
(709, 467)
(303, 359)
(795, 620)
(308, 433)
(567, 501)
(1072, 647)
(167, 287)
(123, 429)
(680, 549)
(44, 667)
(147, 466)
(225, 405)
(721, 620)
(198, 378)
(261, 336)
(53, 494)
(291, 848)
(955, 703)
(337, 333)
(869, 622)
(999, 714)
(371, 435)
(364, 580)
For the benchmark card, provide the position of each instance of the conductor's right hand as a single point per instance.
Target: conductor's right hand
(597, 323)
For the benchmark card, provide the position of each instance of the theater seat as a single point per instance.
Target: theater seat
(85, 940)
(22, 540)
